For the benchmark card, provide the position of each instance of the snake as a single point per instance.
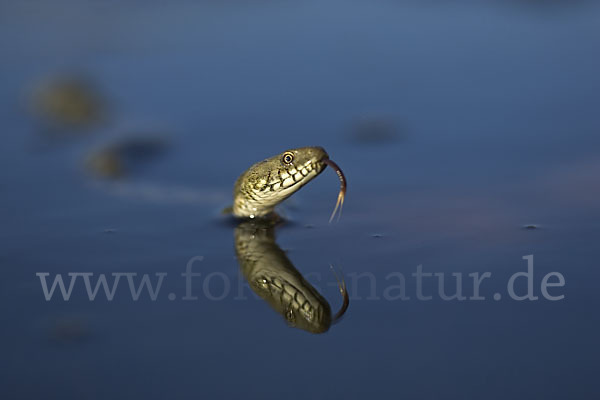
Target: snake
(269, 182)
(264, 264)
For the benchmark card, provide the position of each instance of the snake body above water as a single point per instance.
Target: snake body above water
(267, 183)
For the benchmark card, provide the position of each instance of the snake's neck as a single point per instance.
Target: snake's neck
(258, 199)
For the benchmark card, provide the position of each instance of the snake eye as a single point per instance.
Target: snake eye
(287, 158)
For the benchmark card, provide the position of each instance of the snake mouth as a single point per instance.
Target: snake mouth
(291, 179)
(296, 177)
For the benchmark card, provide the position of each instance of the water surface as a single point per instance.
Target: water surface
(490, 119)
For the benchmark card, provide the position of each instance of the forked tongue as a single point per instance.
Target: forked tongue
(340, 200)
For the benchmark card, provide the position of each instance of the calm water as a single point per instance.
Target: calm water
(490, 123)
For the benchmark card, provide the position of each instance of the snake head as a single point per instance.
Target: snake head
(267, 183)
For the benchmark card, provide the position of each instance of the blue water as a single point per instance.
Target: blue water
(493, 115)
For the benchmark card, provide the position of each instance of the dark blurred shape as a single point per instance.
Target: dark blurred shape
(531, 227)
(375, 130)
(68, 102)
(120, 159)
(272, 276)
(69, 330)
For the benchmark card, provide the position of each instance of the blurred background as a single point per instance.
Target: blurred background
(468, 131)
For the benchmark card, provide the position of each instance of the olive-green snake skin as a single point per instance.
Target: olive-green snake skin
(267, 183)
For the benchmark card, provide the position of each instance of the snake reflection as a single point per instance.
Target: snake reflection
(274, 278)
